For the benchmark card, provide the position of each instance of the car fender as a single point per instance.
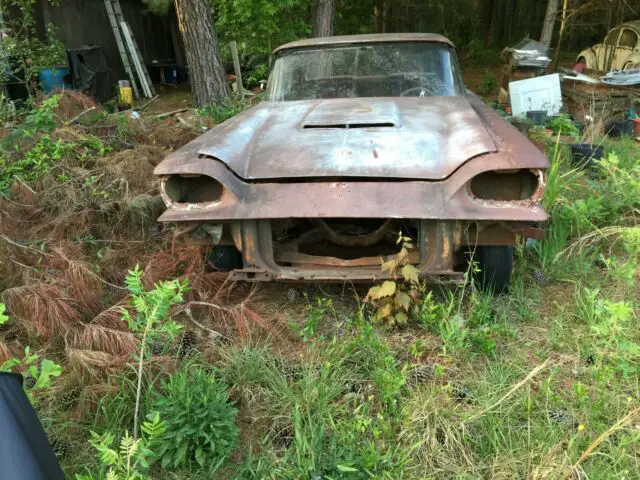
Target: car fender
(589, 55)
(633, 59)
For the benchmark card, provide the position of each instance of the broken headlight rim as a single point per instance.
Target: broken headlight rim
(191, 190)
(508, 185)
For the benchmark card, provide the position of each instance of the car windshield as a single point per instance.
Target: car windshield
(397, 69)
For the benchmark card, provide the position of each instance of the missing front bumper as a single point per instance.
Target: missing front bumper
(439, 247)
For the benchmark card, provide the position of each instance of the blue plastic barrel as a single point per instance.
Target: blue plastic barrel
(53, 78)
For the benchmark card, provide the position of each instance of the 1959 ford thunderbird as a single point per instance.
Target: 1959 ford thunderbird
(359, 137)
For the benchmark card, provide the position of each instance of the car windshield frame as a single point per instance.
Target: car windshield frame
(365, 70)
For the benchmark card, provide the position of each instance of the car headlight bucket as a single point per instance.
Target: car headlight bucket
(191, 189)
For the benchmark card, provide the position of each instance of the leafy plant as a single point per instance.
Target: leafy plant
(151, 319)
(489, 84)
(394, 301)
(562, 124)
(39, 375)
(200, 421)
(321, 309)
(29, 53)
(223, 112)
(132, 458)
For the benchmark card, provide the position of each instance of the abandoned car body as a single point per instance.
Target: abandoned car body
(620, 50)
(360, 137)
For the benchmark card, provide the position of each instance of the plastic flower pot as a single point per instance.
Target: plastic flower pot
(537, 116)
(585, 155)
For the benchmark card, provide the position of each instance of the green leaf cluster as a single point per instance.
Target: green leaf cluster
(131, 458)
(200, 421)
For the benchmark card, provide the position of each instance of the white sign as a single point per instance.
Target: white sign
(540, 93)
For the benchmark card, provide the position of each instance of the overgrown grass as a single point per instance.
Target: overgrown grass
(542, 382)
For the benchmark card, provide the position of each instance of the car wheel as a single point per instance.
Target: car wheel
(495, 263)
(225, 258)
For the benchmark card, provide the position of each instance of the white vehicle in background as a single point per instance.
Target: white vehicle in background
(620, 50)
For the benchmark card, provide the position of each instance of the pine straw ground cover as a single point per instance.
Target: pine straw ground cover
(540, 383)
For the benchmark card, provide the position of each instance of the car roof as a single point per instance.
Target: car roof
(635, 24)
(369, 38)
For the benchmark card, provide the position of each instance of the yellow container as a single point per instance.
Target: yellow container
(125, 96)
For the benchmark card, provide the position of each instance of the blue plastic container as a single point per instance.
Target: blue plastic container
(170, 75)
(53, 78)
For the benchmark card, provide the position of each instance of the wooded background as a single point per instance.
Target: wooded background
(260, 25)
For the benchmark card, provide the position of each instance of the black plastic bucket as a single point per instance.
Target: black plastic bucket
(585, 155)
(537, 116)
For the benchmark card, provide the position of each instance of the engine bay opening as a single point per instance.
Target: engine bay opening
(345, 239)
(505, 185)
(192, 189)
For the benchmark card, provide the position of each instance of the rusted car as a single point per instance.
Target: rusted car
(359, 137)
(620, 50)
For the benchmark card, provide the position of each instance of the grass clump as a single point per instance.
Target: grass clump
(223, 112)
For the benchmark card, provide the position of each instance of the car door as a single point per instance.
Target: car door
(627, 42)
(607, 50)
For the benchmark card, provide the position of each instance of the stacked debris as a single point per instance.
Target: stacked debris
(623, 78)
(527, 53)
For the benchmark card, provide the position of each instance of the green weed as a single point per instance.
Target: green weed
(131, 459)
(488, 85)
(223, 112)
(200, 426)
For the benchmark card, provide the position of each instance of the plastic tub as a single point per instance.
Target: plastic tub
(585, 155)
(53, 78)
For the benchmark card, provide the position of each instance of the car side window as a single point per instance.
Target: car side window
(612, 37)
(628, 39)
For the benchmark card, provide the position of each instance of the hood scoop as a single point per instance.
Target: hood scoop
(352, 114)
(349, 126)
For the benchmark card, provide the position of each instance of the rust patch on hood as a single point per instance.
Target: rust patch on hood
(426, 138)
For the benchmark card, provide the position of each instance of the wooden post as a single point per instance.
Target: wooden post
(236, 66)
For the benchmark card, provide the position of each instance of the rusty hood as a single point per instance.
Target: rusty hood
(405, 138)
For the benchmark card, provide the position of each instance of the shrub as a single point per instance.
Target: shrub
(562, 124)
(199, 420)
(488, 85)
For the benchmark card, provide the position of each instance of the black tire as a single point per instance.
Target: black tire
(226, 258)
(496, 264)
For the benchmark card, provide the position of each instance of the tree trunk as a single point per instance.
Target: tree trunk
(377, 15)
(386, 16)
(549, 22)
(324, 18)
(563, 27)
(486, 12)
(206, 73)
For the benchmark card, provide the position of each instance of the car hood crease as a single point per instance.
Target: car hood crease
(404, 138)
